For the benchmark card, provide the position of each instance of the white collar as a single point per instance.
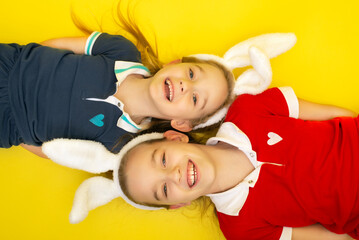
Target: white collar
(124, 121)
(231, 201)
(122, 70)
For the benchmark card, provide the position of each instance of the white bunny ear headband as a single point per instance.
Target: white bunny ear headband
(254, 51)
(93, 157)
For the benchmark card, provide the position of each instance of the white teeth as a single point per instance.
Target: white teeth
(170, 88)
(192, 174)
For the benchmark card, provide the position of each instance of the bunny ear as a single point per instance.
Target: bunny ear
(84, 155)
(92, 193)
(272, 44)
(254, 81)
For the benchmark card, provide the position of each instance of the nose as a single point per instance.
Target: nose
(185, 86)
(175, 174)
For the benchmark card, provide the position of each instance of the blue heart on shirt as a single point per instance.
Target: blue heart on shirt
(97, 120)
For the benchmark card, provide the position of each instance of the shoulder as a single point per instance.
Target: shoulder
(245, 100)
(274, 101)
(116, 38)
(114, 46)
(249, 227)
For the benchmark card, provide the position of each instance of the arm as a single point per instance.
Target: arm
(315, 111)
(75, 44)
(316, 232)
(34, 149)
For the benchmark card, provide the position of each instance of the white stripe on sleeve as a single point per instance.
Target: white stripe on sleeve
(90, 42)
(292, 101)
(286, 233)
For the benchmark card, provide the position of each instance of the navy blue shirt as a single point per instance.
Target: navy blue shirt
(49, 91)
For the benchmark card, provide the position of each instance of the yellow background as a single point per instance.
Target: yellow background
(36, 194)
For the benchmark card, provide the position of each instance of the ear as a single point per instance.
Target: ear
(174, 62)
(175, 136)
(254, 81)
(92, 193)
(84, 155)
(272, 44)
(179, 205)
(181, 125)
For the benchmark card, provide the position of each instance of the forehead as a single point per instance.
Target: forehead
(138, 172)
(141, 170)
(213, 85)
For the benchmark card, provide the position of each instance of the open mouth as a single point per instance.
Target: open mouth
(192, 175)
(168, 90)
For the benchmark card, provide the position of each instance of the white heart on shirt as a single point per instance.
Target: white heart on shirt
(273, 138)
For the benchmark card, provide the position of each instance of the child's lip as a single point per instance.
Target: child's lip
(192, 174)
(168, 89)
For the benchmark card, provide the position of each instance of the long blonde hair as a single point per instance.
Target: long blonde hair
(149, 57)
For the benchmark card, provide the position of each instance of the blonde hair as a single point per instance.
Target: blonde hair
(122, 176)
(149, 55)
(150, 59)
(203, 203)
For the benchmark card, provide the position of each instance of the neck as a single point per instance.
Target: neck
(133, 93)
(232, 167)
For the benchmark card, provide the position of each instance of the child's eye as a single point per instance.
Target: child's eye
(164, 160)
(191, 73)
(194, 99)
(165, 189)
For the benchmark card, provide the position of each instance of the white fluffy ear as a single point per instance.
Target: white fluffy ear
(92, 193)
(254, 81)
(272, 44)
(84, 155)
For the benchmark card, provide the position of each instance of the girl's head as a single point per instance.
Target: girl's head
(187, 92)
(217, 80)
(166, 172)
(148, 173)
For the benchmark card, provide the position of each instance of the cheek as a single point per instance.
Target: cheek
(218, 98)
(182, 107)
(180, 196)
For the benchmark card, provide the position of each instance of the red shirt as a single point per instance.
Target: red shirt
(316, 178)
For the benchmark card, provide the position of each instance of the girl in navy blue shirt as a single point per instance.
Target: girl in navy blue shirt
(96, 88)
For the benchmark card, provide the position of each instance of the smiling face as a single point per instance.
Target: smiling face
(168, 173)
(188, 91)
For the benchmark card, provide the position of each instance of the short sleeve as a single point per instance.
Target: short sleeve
(112, 46)
(248, 227)
(274, 101)
(292, 101)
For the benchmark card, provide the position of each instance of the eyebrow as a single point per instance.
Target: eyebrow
(200, 68)
(156, 196)
(153, 162)
(205, 100)
(204, 103)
